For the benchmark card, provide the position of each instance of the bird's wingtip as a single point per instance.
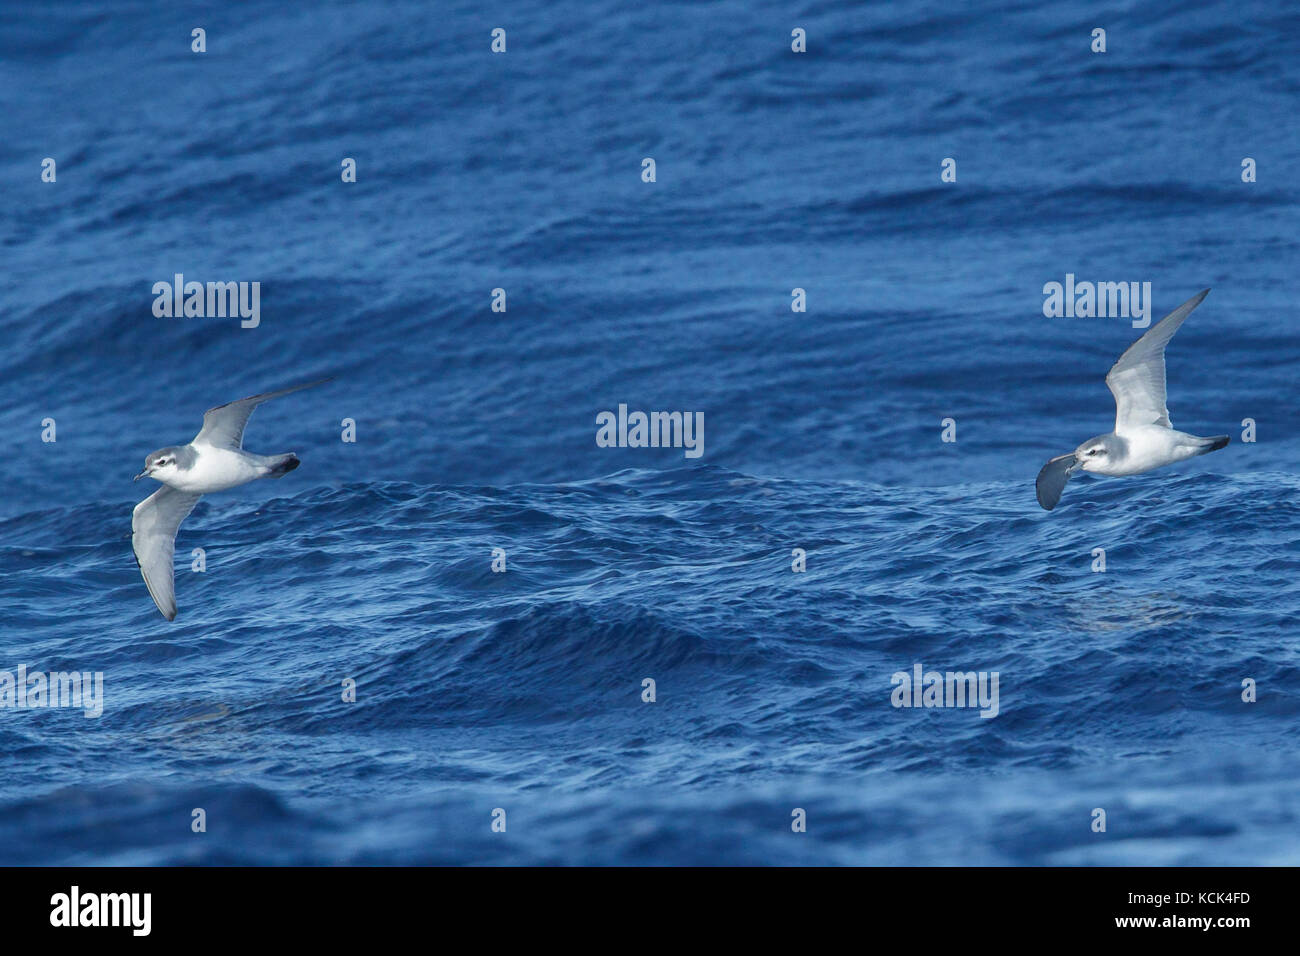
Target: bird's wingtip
(1051, 480)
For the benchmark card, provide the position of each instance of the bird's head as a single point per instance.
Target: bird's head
(161, 464)
(1093, 454)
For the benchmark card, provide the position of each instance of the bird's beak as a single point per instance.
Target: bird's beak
(141, 475)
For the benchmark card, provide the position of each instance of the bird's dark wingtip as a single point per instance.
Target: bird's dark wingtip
(1051, 480)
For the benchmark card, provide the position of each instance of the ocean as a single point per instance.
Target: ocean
(464, 631)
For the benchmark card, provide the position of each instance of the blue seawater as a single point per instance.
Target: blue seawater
(476, 430)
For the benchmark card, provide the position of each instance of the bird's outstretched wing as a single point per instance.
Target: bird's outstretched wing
(223, 426)
(1137, 380)
(153, 536)
(1051, 480)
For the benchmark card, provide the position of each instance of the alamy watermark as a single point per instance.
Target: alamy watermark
(75, 908)
(1105, 300)
(36, 690)
(923, 688)
(651, 430)
(214, 300)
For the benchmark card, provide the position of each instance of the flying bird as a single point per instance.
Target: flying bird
(1143, 438)
(214, 461)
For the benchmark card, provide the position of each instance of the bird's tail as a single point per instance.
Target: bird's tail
(1208, 445)
(281, 465)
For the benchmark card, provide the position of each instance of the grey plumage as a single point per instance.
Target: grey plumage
(1144, 438)
(214, 461)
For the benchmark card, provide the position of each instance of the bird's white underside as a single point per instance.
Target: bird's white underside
(1143, 437)
(219, 464)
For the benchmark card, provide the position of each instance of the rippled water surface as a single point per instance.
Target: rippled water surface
(476, 430)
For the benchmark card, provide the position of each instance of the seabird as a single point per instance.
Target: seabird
(1143, 438)
(214, 461)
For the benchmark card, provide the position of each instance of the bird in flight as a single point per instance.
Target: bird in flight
(1143, 438)
(214, 461)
